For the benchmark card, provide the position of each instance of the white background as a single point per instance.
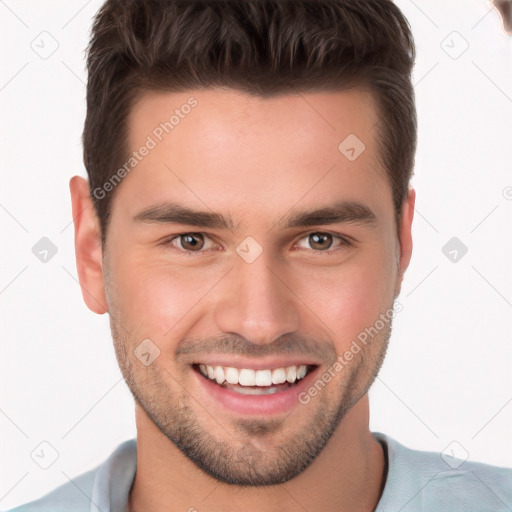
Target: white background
(447, 374)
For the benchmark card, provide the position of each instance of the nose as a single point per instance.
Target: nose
(256, 302)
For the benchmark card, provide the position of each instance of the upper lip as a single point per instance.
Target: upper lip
(261, 363)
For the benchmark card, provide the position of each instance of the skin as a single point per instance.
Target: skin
(256, 161)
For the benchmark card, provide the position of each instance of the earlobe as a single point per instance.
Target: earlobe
(88, 250)
(405, 238)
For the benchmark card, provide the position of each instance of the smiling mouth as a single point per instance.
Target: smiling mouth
(254, 382)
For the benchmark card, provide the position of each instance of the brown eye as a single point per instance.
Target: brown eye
(320, 241)
(187, 244)
(324, 243)
(191, 241)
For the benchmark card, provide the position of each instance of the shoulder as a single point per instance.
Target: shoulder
(431, 481)
(73, 495)
(98, 489)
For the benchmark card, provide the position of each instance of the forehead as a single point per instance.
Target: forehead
(228, 115)
(220, 147)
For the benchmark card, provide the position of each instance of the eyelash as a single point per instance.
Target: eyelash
(344, 242)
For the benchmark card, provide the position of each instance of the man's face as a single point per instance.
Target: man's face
(261, 293)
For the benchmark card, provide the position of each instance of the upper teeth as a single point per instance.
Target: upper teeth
(248, 377)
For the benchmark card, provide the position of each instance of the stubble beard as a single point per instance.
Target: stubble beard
(240, 459)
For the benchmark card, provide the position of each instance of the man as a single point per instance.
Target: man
(247, 225)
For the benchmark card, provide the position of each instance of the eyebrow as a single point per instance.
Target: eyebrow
(351, 212)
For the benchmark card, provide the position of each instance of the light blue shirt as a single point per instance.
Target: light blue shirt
(417, 481)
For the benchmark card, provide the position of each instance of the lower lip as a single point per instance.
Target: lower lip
(267, 404)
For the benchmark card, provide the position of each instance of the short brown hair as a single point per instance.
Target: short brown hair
(260, 47)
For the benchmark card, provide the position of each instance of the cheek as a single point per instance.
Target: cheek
(154, 297)
(158, 300)
(350, 298)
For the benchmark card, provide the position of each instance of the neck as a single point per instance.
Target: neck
(348, 475)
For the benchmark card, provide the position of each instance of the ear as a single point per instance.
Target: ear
(405, 238)
(88, 250)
